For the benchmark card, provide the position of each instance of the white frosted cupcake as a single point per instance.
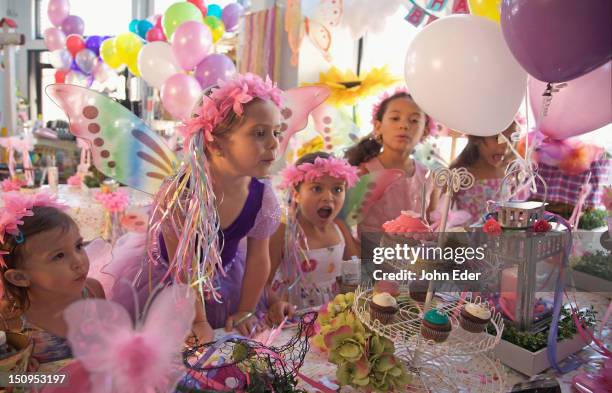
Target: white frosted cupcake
(474, 317)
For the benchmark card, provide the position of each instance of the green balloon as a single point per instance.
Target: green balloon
(177, 14)
(212, 21)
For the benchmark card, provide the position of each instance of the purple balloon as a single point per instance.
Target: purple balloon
(73, 25)
(231, 15)
(74, 66)
(58, 10)
(557, 41)
(93, 44)
(213, 68)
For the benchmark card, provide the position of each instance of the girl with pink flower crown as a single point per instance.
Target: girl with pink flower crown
(215, 216)
(316, 186)
(399, 125)
(43, 269)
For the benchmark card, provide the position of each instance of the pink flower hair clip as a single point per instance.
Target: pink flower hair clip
(334, 167)
(18, 205)
(231, 94)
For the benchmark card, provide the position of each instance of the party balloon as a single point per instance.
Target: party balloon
(58, 10)
(218, 31)
(60, 76)
(191, 43)
(179, 95)
(177, 14)
(60, 59)
(143, 27)
(481, 85)
(74, 44)
(201, 6)
(214, 10)
(212, 21)
(86, 60)
(584, 105)
(109, 54)
(213, 68)
(133, 67)
(77, 78)
(93, 44)
(54, 38)
(101, 72)
(74, 66)
(73, 25)
(231, 15)
(158, 21)
(486, 8)
(557, 41)
(133, 27)
(128, 45)
(157, 63)
(155, 34)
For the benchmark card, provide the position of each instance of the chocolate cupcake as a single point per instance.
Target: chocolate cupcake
(418, 290)
(435, 326)
(474, 317)
(383, 307)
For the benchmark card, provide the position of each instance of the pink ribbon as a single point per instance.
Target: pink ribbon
(585, 189)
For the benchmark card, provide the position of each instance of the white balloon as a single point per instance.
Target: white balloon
(460, 72)
(77, 78)
(157, 63)
(60, 59)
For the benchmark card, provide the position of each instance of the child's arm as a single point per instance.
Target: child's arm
(277, 245)
(255, 277)
(351, 245)
(277, 307)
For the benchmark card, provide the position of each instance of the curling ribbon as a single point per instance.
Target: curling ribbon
(586, 335)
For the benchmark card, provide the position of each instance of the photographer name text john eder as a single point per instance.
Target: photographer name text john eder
(434, 275)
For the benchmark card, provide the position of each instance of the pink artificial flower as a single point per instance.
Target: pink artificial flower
(114, 202)
(334, 167)
(75, 180)
(11, 185)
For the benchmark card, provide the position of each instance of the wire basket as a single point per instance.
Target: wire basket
(519, 214)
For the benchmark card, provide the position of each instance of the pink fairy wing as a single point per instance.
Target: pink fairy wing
(298, 103)
(100, 254)
(337, 130)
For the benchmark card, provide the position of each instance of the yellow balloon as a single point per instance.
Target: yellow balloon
(128, 45)
(133, 67)
(486, 8)
(217, 31)
(109, 54)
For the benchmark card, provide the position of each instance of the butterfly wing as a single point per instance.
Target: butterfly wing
(298, 103)
(123, 146)
(336, 128)
(366, 192)
(327, 16)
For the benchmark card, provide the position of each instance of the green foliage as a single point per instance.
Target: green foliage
(598, 265)
(593, 219)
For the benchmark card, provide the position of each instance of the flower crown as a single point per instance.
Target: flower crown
(18, 205)
(335, 167)
(230, 94)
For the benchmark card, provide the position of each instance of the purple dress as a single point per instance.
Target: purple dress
(259, 219)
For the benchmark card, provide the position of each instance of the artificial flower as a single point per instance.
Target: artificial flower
(542, 226)
(492, 227)
(11, 185)
(347, 88)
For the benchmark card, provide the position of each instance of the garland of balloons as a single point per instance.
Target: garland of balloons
(171, 52)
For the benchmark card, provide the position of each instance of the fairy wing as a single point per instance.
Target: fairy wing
(328, 15)
(298, 103)
(336, 128)
(123, 146)
(366, 192)
(119, 357)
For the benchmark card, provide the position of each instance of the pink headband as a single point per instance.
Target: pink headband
(18, 205)
(334, 167)
(231, 94)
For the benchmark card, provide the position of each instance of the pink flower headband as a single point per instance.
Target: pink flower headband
(231, 94)
(18, 205)
(334, 167)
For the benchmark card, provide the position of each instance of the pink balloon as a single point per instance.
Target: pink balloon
(73, 24)
(179, 94)
(213, 68)
(155, 34)
(191, 43)
(57, 11)
(584, 105)
(54, 38)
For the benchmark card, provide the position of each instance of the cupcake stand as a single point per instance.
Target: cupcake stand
(462, 362)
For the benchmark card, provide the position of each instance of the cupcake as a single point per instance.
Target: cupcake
(474, 317)
(435, 326)
(390, 287)
(418, 290)
(383, 307)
